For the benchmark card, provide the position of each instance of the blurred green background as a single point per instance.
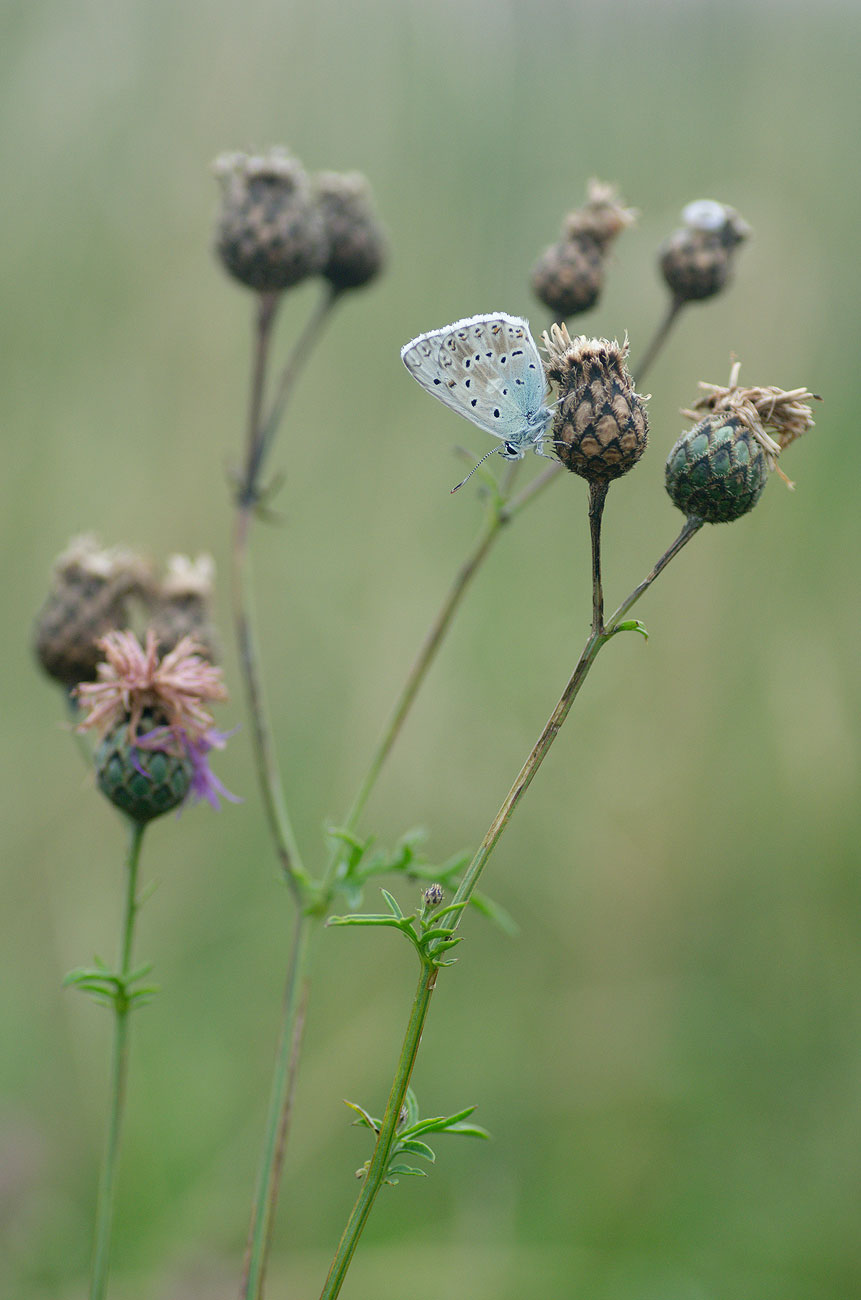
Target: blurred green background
(668, 1054)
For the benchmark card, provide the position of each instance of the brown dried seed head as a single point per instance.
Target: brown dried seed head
(356, 240)
(569, 276)
(89, 597)
(270, 233)
(697, 260)
(182, 606)
(601, 218)
(601, 425)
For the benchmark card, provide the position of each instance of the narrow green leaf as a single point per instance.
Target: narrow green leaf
(469, 1130)
(364, 1118)
(393, 904)
(495, 913)
(416, 1148)
(404, 1169)
(632, 625)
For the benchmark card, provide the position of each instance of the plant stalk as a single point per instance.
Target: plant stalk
(376, 1172)
(280, 1109)
(119, 1072)
(421, 1004)
(597, 497)
(659, 338)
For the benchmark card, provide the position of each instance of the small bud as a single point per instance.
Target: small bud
(143, 782)
(89, 597)
(569, 275)
(270, 234)
(357, 244)
(718, 469)
(433, 895)
(182, 606)
(601, 425)
(696, 261)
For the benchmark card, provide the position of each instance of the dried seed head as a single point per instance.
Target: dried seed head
(433, 895)
(357, 243)
(569, 275)
(696, 261)
(601, 425)
(141, 781)
(182, 605)
(718, 469)
(270, 233)
(89, 597)
(602, 217)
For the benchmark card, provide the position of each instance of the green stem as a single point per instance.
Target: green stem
(119, 1070)
(376, 1172)
(280, 1108)
(268, 774)
(261, 432)
(421, 1003)
(597, 640)
(423, 661)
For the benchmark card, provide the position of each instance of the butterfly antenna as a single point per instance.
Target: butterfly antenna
(472, 471)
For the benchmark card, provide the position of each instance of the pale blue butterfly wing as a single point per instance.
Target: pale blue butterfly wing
(488, 369)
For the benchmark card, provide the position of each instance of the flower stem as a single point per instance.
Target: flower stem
(261, 432)
(379, 1162)
(376, 1172)
(280, 1109)
(597, 497)
(119, 1070)
(268, 774)
(659, 338)
(424, 659)
(302, 349)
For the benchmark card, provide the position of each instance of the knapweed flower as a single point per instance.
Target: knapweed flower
(155, 727)
(569, 275)
(718, 469)
(90, 594)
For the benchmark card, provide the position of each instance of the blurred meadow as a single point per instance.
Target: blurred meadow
(667, 1056)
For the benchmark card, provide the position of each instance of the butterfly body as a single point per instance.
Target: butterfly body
(488, 369)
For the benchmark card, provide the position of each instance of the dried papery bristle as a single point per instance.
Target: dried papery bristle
(135, 678)
(697, 260)
(601, 425)
(569, 275)
(357, 244)
(270, 233)
(718, 470)
(775, 416)
(182, 605)
(90, 593)
(602, 218)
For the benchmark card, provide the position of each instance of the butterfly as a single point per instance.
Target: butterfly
(488, 369)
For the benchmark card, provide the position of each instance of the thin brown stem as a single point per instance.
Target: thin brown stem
(267, 307)
(423, 661)
(300, 353)
(597, 497)
(659, 338)
(539, 750)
